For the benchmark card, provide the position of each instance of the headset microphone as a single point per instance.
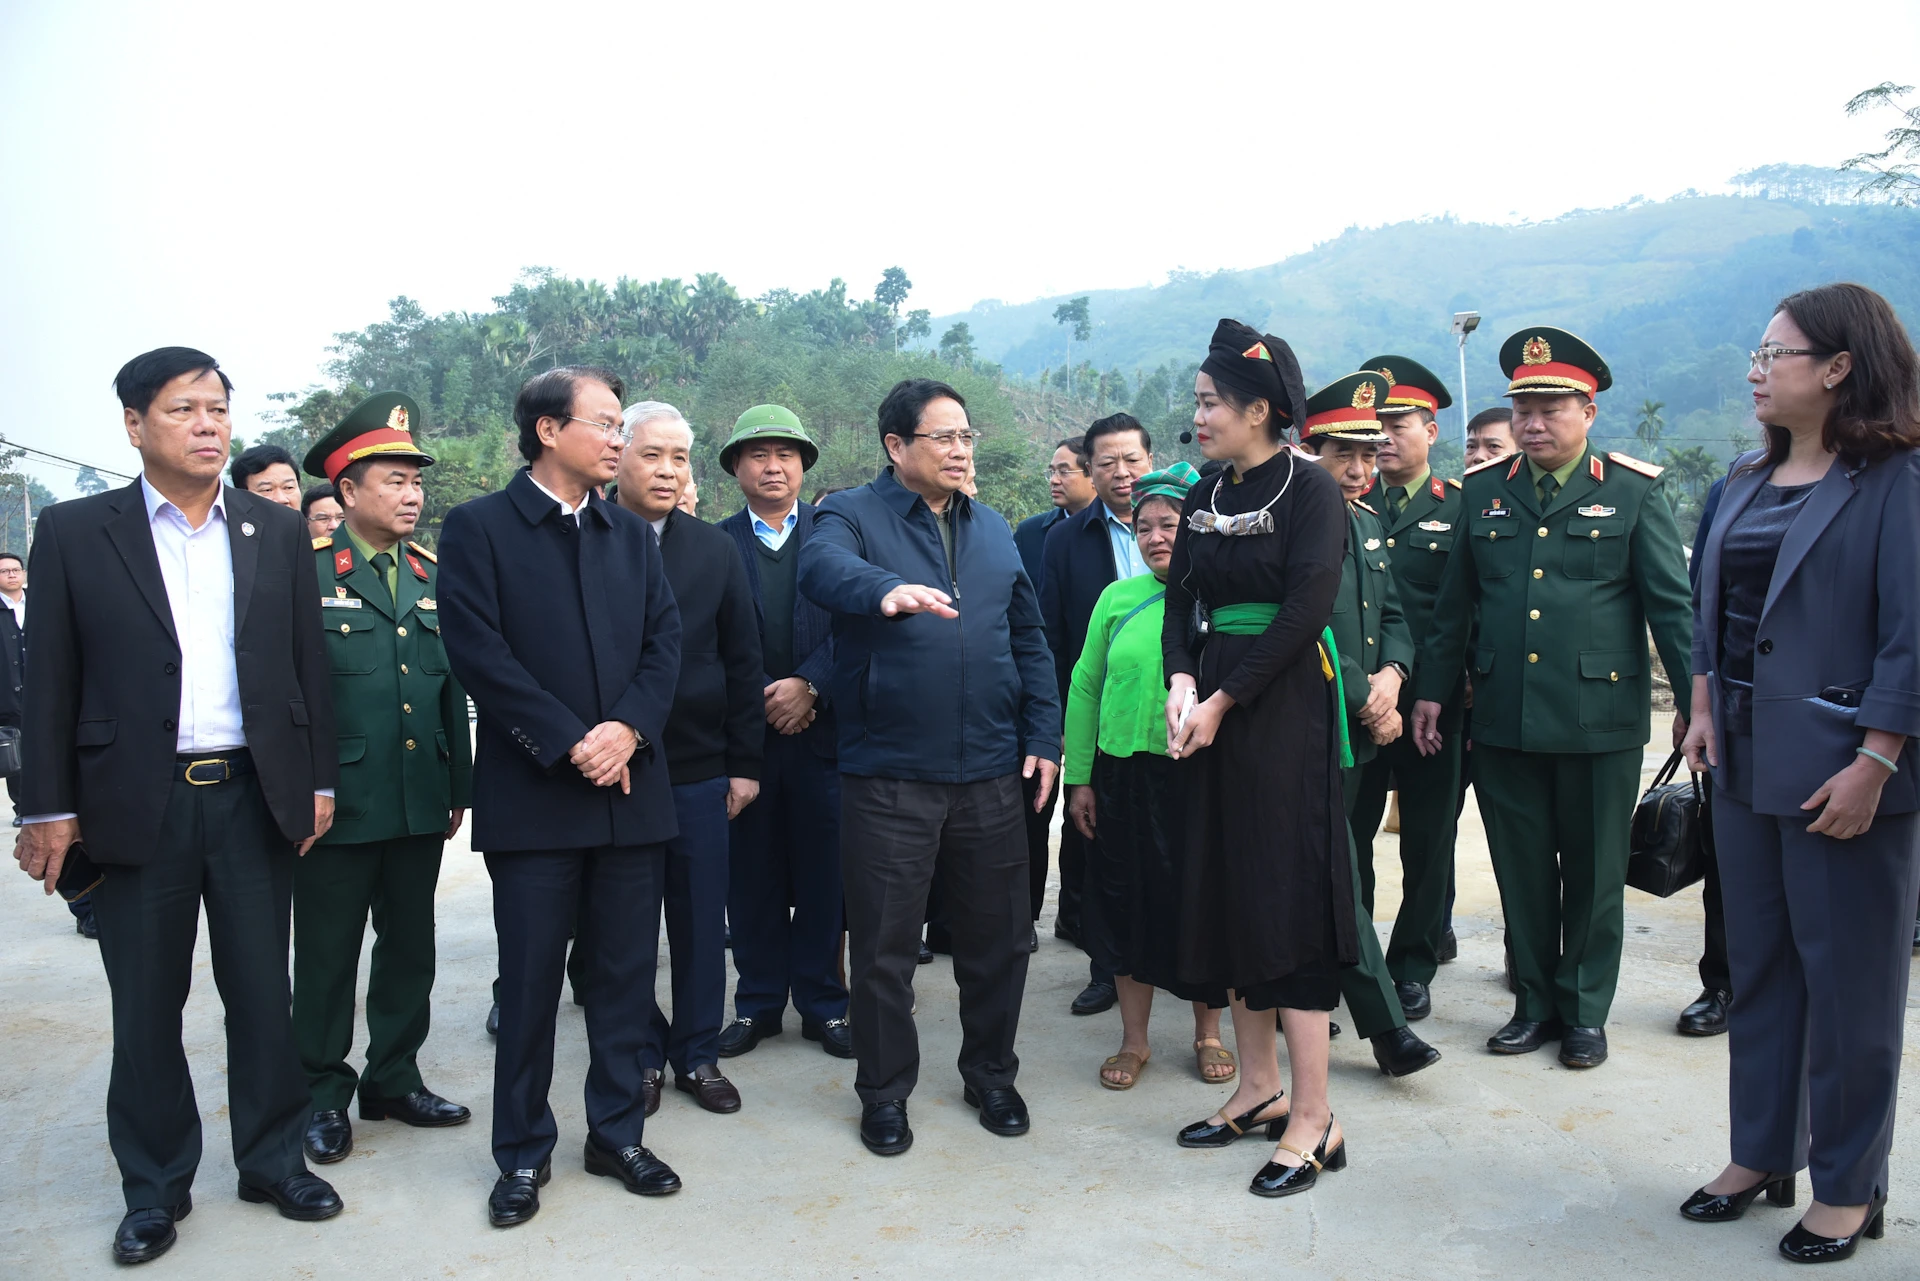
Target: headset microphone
(1186, 438)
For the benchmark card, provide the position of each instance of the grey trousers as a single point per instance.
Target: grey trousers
(1819, 936)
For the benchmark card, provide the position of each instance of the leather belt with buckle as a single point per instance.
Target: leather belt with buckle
(210, 770)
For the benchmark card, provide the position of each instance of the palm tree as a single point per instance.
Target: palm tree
(1651, 425)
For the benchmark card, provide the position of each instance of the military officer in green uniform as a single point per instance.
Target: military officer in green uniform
(1342, 432)
(406, 766)
(1421, 514)
(1570, 555)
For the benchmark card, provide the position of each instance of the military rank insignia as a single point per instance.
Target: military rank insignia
(419, 570)
(1436, 487)
(343, 561)
(1436, 526)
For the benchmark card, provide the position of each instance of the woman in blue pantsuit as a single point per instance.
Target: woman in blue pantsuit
(1806, 702)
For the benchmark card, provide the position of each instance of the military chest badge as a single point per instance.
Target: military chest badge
(427, 603)
(1595, 510)
(1497, 510)
(341, 592)
(339, 602)
(246, 528)
(1373, 545)
(1436, 526)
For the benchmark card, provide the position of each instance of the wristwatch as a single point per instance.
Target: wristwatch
(811, 691)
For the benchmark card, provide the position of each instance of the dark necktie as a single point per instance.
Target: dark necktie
(383, 566)
(1548, 487)
(1397, 499)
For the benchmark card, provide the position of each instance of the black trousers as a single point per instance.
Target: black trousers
(616, 891)
(898, 839)
(218, 844)
(696, 903)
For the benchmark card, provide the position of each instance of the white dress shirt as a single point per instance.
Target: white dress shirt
(197, 567)
(565, 510)
(19, 608)
(774, 538)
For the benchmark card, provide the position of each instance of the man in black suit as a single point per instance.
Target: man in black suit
(180, 725)
(1084, 553)
(559, 624)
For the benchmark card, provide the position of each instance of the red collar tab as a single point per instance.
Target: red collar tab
(1519, 460)
(1596, 468)
(419, 570)
(343, 562)
(1436, 487)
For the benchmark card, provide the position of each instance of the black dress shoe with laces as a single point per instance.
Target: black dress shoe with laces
(1002, 1110)
(303, 1196)
(516, 1195)
(1402, 1053)
(1524, 1036)
(1095, 998)
(884, 1128)
(493, 1020)
(148, 1234)
(1706, 1016)
(644, 1173)
(329, 1136)
(1803, 1246)
(650, 1089)
(1724, 1207)
(742, 1035)
(421, 1108)
(835, 1036)
(1416, 1002)
(1449, 947)
(1583, 1047)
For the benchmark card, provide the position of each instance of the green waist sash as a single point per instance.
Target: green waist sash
(1250, 618)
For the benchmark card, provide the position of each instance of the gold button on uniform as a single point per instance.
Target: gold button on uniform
(1543, 531)
(344, 629)
(1534, 614)
(1593, 533)
(408, 707)
(1538, 573)
(410, 745)
(1433, 547)
(1492, 534)
(1369, 640)
(1533, 658)
(401, 630)
(403, 669)
(1613, 676)
(1389, 542)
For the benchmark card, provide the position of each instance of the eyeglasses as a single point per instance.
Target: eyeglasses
(1764, 358)
(613, 431)
(1064, 471)
(946, 440)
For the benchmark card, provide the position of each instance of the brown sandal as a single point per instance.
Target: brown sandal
(1205, 1056)
(1126, 1062)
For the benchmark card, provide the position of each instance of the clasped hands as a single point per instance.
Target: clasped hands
(603, 754)
(1380, 717)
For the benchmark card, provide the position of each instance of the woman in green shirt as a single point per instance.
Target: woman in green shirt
(1120, 781)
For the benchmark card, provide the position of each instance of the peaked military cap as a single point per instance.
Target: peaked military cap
(1347, 409)
(769, 422)
(1411, 385)
(382, 425)
(1544, 360)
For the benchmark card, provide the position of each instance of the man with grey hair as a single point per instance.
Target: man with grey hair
(713, 740)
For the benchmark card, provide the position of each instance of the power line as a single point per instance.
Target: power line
(57, 458)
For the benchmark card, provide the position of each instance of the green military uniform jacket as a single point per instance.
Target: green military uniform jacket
(1565, 599)
(406, 760)
(1368, 627)
(1419, 540)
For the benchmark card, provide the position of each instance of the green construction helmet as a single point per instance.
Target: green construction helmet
(769, 422)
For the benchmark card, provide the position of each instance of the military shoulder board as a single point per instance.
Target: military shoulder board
(1628, 461)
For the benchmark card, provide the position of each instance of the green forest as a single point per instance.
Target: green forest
(1671, 292)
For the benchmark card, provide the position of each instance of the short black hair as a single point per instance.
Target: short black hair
(141, 378)
(355, 471)
(900, 411)
(315, 493)
(1077, 446)
(1498, 414)
(1113, 425)
(14, 557)
(252, 462)
(551, 394)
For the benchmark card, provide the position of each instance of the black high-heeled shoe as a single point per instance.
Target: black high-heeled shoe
(1205, 1134)
(1724, 1207)
(1803, 1246)
(1275, 1179)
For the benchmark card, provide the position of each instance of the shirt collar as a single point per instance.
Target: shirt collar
(1413, 486)
(792, 518)
(366, 549)
(1560, 474)
(564, 509)
(156, 501)
(1111, 514)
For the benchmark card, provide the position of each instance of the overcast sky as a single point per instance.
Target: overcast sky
(251, 178)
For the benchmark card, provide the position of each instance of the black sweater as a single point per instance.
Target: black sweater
(718, 724)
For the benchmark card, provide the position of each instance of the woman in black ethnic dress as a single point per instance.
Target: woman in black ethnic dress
(1268, 904)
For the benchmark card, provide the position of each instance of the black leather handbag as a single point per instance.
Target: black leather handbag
(1672, 834)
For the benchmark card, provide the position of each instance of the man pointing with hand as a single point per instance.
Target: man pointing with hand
(946, 699)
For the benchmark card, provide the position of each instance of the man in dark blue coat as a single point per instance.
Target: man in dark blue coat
(783, 898)
(573, 687)
(946, 699)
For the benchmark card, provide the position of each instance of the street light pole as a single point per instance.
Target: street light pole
(1464, 323)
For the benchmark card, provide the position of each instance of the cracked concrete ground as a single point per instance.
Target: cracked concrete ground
(1477, 1167)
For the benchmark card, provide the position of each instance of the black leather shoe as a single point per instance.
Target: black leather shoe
(1583, 1047)
(1724, 1207)
(1205, 1134)
(742, 1035)
(1401, 1053)
(884, 1128)
(88, 926)
(1449, 947)
(1706, 1016)
(1524, 1036)
(1333, 1029)
(148, 1234)
(329, 1136)
(303, 1196)
(1095, 998)
(1416, 1002)
(1275, 1179)
(650, 1089)
(516, 1195)
(926, 954)
(1033, 942)
(1002, 1110)
(644, 1173)
(493, 1020)
(835, 1036)
(421, 1108)
(709, 1089)
(1803, 1246)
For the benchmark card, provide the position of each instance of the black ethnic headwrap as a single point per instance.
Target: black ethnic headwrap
(1259, 365)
